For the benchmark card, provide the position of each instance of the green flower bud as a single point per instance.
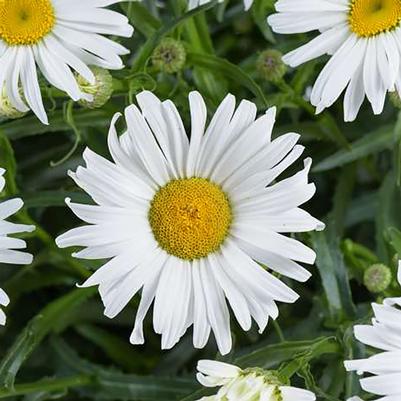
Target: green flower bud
(7, 110)
(169, 56)
(377, 278)
(395, 99)
(101, 90)
(270, 65)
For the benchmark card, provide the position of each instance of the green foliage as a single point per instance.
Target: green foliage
(57, 343)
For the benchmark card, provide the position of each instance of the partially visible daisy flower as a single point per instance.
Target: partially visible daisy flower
(362, 36)
(384, 334)
(196, 3)
(189, 220)
(57, 36)
(9, 247)
(252, 384)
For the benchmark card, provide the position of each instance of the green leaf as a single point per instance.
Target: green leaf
(369, 144)
(141, 19)
(147, 49)
(231, 71)
(113, 385)
(30, 125)
(333, 272)
(118, 350)
(53, 318)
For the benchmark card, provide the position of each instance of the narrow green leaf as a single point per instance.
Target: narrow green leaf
(52, 318)
(141, 19)
(231, 71)
(369, 144)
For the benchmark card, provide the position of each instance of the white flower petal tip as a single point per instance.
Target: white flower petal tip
(365, 55)
(254, 384)
(67, 40)
(399, 272)
(187, 278)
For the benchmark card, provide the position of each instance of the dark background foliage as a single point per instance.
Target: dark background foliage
(58, 344)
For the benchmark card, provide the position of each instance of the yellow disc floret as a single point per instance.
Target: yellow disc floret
(370, 17)
(25, 22)
(190, 218)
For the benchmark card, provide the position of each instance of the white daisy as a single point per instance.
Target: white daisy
(362, 36)
(186, 220)
(383, 334)
(252, 384)
(196, 3)
(58, 36)
(8, 245)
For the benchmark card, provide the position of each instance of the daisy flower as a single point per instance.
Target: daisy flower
(252, 384)
(196, 3)
(188, 221)
(57, 36)
(363, 38)
(8, 246)
(384, 334)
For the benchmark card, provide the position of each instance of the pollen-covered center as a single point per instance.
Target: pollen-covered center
(371, 17)
(25, 22)
(190, 218)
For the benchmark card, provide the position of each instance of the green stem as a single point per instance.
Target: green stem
(47, 385)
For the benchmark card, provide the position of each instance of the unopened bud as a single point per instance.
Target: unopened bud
(270, 65)
(169, 56)
(7, 110)
(101, 90)
(377, 278)
(395, 99)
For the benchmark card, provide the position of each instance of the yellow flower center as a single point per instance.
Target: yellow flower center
(25, 22)
(370, 17)
(190, 218)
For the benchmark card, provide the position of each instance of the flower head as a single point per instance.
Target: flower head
(384, 334)
(9, 247)
(253, 384)
(57, 36)
(191, 221)
(363, 39)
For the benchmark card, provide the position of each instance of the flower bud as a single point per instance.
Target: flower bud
(169, 56)
(7, 110)
(249, 384)
(101, 90)
(377, 278)
(270, 65)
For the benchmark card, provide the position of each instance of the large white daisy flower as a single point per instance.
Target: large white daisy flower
(196, 3)
(9, 252)
(362, 36)
(383, 334)
(252, 384)
(187, 221)
(58, 36)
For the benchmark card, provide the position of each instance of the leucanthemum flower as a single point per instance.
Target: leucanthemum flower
(362, 36)
(252, 384)
(196, 3)
(187, 221)
(9, 247)
(58, 36)
(383, 334)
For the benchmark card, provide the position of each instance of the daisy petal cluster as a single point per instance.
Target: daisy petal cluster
(10, 247)
(363, 38)
(384, 334)
(196, 3)
(247, 385)
(57, 36)
(191, 221)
